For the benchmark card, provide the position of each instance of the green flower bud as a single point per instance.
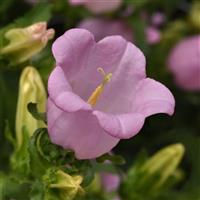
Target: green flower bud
(62, 186)
(194, 16)
(26, 42)
(163, 164)
(148, 178)
(31, 89)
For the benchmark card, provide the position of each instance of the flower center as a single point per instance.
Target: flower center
(99, 90)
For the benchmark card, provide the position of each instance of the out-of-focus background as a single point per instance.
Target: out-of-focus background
(167, 31)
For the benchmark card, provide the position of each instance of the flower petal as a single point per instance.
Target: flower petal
(71, 50)
(122, 126)
(106, 54)
(79, 56)
(152, 97)
(119, 93)
(78, 131)
(61, 93)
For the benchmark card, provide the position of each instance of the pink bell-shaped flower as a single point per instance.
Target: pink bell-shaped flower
(99, 93)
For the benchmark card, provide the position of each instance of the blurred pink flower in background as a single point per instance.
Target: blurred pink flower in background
(102, 28)
(184, 63)
(98, 6)
(152, 31)
(111, 183)
(157, 19)
(153, 35)
(88, 113)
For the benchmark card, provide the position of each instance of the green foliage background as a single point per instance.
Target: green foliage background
(159, 130)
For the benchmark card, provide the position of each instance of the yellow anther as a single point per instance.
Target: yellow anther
(98, 91)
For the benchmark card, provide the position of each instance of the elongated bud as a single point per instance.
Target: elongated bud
(31, 89)
(26, 42)
(148, 178)
(68, 187)
(163, 164)
(195, 15)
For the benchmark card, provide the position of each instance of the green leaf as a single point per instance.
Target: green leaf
(20, 160)
(37, 191)
(8, 134)
(116, 159)
(32, 108)
(87, 171)
(12, 188)
(40, 12)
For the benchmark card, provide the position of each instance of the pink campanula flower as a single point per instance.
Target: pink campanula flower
(111, 183)
(89, 112)
(152, 32)
(157, 19)
(98, 6)
(102, 28)
(184, 63)
(153, 35)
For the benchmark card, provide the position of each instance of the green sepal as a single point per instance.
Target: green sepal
(61, 186)
(115, 159)
(37, 163)
(32, 108)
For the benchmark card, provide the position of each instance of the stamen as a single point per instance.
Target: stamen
(100, 70)
(98, 91)
(106, 77)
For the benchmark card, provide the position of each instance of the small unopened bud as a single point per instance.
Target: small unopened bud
(163, 164)
(31, 89)
(26, 42)
(68, 187)
(195, 15)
